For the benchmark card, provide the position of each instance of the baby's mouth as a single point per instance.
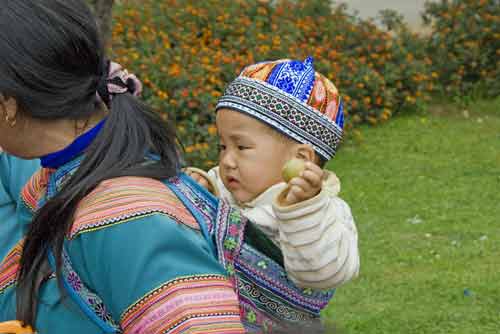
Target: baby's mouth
(232, 182)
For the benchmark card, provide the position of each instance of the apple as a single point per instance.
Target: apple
(292, 169)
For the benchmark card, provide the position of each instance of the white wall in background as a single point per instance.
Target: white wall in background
(411, 9)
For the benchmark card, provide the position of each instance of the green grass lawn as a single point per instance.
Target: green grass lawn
(425, 192)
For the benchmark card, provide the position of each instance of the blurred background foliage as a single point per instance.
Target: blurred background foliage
(187, 51)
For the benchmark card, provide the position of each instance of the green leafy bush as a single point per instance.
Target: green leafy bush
(465, 45)
(187, 51)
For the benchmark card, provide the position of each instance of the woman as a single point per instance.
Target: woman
(109, 248)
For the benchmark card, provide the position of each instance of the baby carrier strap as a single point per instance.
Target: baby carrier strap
(269, 301)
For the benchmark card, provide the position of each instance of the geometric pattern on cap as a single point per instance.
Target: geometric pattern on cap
(294, 77)
(284, 112)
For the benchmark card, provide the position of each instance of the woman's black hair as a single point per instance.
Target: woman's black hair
(51, 62)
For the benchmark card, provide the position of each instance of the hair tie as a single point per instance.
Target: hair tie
(117, 81)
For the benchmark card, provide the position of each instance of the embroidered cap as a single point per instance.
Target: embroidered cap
(292, 98)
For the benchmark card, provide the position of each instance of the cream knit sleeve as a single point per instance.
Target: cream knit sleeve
(319, 240)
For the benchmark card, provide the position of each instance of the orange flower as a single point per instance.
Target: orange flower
(162, 94)
(174, 70)
(264, 49)
(212, 130)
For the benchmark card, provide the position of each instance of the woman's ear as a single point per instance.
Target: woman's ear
(305, 152)
(2, 105)
(8, 107)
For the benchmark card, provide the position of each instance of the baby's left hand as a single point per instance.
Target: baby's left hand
(305, 186)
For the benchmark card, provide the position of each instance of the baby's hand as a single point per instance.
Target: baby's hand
(305, 186)
(202, 181)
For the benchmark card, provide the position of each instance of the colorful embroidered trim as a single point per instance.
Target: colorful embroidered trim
(198, 198)
(294, 77)
(191, 304)
(283, 111)
(90, 303)
(35, 188)
(268, 300)
(10, 267)
(270, 303)
(229, 228)
(119, 200)
(266, 273)
(60, 177)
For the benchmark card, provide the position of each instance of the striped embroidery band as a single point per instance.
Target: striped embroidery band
(193, 304)
(35, 189)
(10, 267)
(119, 200)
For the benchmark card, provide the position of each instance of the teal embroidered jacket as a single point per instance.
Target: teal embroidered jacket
(135, 246)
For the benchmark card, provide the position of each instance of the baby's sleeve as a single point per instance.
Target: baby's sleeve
(319, 241)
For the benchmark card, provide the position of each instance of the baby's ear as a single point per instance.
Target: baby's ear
(305, 152)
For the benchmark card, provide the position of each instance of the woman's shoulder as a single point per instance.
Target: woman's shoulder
(35, 188)
(14, 173)
(125, 199)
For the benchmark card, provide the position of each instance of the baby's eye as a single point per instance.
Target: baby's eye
(222, 147)
(241, 147)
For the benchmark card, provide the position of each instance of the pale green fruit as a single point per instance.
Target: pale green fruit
(292, 169)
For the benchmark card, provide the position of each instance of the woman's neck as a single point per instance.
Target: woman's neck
(54, 135)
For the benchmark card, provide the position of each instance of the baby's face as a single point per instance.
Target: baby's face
(250, 157)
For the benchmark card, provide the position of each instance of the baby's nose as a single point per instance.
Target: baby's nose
(228, 161)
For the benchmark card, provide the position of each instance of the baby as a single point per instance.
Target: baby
(274, 112)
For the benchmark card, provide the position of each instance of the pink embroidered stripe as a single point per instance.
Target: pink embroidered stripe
(35, 188)
(118, 200)
(194, 304)
(10, 267)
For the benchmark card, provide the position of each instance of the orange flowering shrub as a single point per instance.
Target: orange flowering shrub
(465, 45)
(187, 51)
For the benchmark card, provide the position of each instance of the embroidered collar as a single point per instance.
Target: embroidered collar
(58, 177)
(59, 158)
